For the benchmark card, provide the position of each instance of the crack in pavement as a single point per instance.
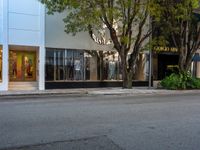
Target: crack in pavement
(90, 143)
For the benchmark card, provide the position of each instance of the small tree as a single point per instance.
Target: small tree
(179, 21)
(125, 21)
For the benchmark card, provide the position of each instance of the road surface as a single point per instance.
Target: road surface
(101, 123)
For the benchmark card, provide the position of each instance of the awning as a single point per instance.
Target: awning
(196, 57)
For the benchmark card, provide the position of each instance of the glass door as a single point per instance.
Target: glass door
(22, 66)
(29, 66)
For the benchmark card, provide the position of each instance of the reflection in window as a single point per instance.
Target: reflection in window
(91, 66)
(82, 65)
(112, 67)
(64, 65)
(0, 65)
(49, 65)
(73, 65)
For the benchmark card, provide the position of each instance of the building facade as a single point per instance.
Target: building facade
(22, 40)
(36, 53)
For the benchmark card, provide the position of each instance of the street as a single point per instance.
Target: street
(106, 122)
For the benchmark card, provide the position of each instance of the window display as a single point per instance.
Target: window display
(91, 66)
(112, 67)
(29, 66)
(74, 65)
(64, 65)
(69, 68)
(22, 66)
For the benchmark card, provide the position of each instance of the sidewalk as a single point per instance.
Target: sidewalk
(136, 91)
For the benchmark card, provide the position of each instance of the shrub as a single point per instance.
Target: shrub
(180, 81)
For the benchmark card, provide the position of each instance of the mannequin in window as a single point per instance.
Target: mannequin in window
(77, 68)
(29, 68)
(112, 69)
(14, 68)
(70, 68)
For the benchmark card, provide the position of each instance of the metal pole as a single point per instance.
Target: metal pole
(150, 55)
(150, 67)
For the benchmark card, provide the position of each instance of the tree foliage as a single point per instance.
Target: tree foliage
(179, 23)
(126, 21)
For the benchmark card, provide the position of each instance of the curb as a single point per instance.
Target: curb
(92, 92)
(37, 93)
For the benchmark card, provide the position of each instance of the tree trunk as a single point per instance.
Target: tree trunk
(127, 82)
(184, 57)
(184, 63)
(126, 74)
(182, 60)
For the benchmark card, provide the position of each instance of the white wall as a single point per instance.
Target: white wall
(55, 37)
(24, 22)
(1, 21)
(4, 23)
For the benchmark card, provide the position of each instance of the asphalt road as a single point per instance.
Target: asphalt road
(101, 122)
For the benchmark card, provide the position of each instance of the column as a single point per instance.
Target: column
(42, 49)
(5, 53)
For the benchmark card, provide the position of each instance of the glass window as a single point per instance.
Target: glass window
(73, 65)
(64, 65)
(59, 64)
(0, 65)
(29, 65)
(78, 65)
(49, 65)
(22, 66)
(112, 67)
(91, 66)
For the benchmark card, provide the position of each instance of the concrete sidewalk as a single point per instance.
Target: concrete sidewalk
(136, 91)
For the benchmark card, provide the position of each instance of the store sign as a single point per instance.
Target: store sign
(160, 49)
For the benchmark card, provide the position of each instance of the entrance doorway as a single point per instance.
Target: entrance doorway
(167, 64)
(22, 66)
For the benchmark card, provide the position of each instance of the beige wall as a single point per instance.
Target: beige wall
(57, 38)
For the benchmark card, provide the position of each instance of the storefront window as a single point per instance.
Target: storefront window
(78, 65)
(64, 65)
(112, 67)
(0, 65)
(59, 65)
(91, 66)
(22, 66)
(73, 65)
(141, 70)
(49, 65)
(68, 65)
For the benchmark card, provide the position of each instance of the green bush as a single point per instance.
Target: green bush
(180, 81)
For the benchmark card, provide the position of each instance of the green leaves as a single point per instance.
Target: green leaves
(181, 81)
